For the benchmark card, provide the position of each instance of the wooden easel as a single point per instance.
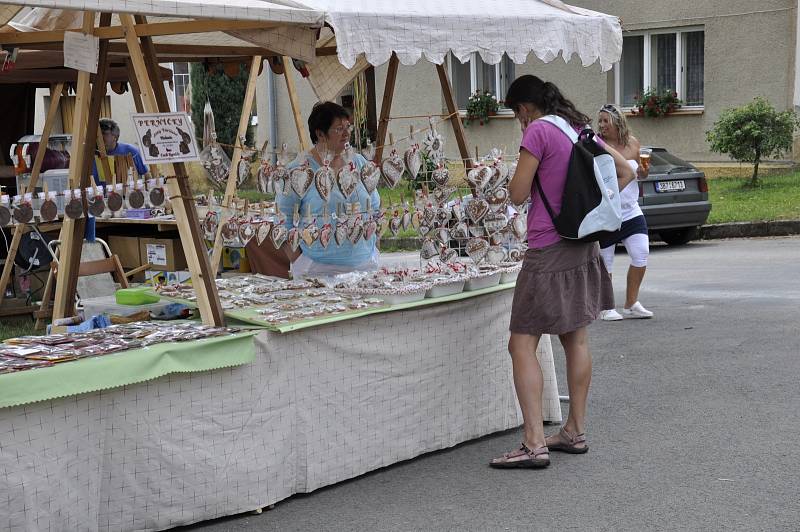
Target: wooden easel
(153, 98)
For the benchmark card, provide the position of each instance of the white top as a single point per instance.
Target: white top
(629, 196)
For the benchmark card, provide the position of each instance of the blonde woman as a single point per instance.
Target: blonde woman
(613, 129)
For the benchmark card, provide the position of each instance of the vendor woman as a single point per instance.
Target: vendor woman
(329, 128)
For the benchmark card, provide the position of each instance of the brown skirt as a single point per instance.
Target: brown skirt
(561, 288)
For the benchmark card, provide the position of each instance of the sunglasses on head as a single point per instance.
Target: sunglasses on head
(609, 108)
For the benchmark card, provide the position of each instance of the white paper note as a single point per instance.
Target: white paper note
(81, 51)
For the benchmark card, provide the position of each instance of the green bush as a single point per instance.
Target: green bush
(226, 95)
(753, 132)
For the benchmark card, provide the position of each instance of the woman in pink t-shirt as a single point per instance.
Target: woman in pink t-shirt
(563, 284)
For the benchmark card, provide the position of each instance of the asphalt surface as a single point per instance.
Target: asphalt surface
(693, 421)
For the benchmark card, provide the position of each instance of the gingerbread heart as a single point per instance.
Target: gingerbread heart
(74, 209)
(440, 176)
(262, 233)
(424, 229)
(494, 222)
(323, 181)
(370, 228)
(294, 238)
(495, 255)
(447, 254)
(476, 249)
(444, 235)
(156, 196)
(518, 226)
(325, 235)
(347, 180)
(370, 176)
(498, 198)
(340, 232)
(442, 194)
(383, 223)
(428, 250)
(477, 209)
(278, 235)
(405, 221)
(230, 231)
(496, 239)
(300, 179)
(461, 230)
(458, 211)
(416, 218)
(310, 233)
(23, 213)
(393, 168)
(413, 161)
(394, 225)
(97, 206)
(356, 231)
(479, 177)
(443, 215)
(136, 199)
(515, 255)
(246, 232)
(429, 215)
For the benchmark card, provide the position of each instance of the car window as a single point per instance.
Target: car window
(664, 158)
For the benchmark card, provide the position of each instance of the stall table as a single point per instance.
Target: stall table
(317, 405)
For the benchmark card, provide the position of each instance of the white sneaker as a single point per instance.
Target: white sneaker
(637, 311)
(610, 315)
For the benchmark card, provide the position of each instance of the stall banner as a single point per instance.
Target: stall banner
(165, 137)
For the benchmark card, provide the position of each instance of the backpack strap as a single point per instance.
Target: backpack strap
(544, 198)
(565, 128)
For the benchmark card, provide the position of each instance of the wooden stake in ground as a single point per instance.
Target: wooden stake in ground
(233, 174)
(55, 99)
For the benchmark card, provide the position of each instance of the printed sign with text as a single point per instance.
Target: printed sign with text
(165, 137)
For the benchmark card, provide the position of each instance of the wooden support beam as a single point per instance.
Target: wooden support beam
(136, 91)
(72, 230)
(386, 106)
(230, 188)
(372, 112)
(52, 112)
(288, 74)
(143, 30)
(169, 53)
(154, 99)
(455, 118)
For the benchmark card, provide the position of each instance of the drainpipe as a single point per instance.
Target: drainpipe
(273, 114)
(796, 98)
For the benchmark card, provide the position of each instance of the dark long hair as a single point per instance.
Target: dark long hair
(546, 97)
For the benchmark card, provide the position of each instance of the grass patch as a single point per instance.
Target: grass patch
(14, 326)
(776, 198)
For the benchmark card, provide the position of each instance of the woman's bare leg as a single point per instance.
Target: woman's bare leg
(579, 378)
(528, 382)
(635, 276)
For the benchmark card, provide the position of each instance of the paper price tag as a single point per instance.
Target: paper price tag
(81, 51)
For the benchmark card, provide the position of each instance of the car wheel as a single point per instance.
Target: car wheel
(678, 237)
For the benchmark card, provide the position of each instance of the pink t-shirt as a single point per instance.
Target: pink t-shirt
(552, 148)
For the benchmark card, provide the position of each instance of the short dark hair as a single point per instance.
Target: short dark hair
(322, 116)
(106, 124)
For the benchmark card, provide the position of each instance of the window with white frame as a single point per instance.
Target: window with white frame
(180, 78)
(661, 59)
(475, 75)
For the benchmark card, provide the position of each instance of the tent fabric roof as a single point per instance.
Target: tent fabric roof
(414, 28)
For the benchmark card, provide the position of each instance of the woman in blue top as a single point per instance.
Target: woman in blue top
(329, 128)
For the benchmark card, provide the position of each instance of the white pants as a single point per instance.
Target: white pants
(638, 247)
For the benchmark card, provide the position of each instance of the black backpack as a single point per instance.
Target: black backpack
(590, 205)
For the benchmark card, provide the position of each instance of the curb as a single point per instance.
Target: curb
(706, 232)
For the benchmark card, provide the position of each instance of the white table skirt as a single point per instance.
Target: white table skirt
(316, 407)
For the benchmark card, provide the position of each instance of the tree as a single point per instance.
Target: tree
(226, 95)
(753, 132)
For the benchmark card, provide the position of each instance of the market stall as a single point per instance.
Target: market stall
(343, 376)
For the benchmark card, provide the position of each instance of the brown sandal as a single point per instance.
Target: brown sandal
(523, 458)
(568, 443)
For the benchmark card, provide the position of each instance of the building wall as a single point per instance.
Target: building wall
(749, 52)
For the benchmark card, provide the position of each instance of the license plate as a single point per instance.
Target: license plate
(670, 186)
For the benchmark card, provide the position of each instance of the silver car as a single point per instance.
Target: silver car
(674, 198)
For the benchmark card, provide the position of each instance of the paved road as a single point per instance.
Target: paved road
(694, 421)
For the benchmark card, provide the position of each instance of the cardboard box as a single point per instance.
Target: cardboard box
(127, 249)
(165, 254)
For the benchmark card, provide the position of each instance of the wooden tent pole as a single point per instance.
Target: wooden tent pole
(455, 118)
(83, 129)
(230, 189)
(136, 93)
(55, 98)
(288, 74)
(386, 106)
(154, 100)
